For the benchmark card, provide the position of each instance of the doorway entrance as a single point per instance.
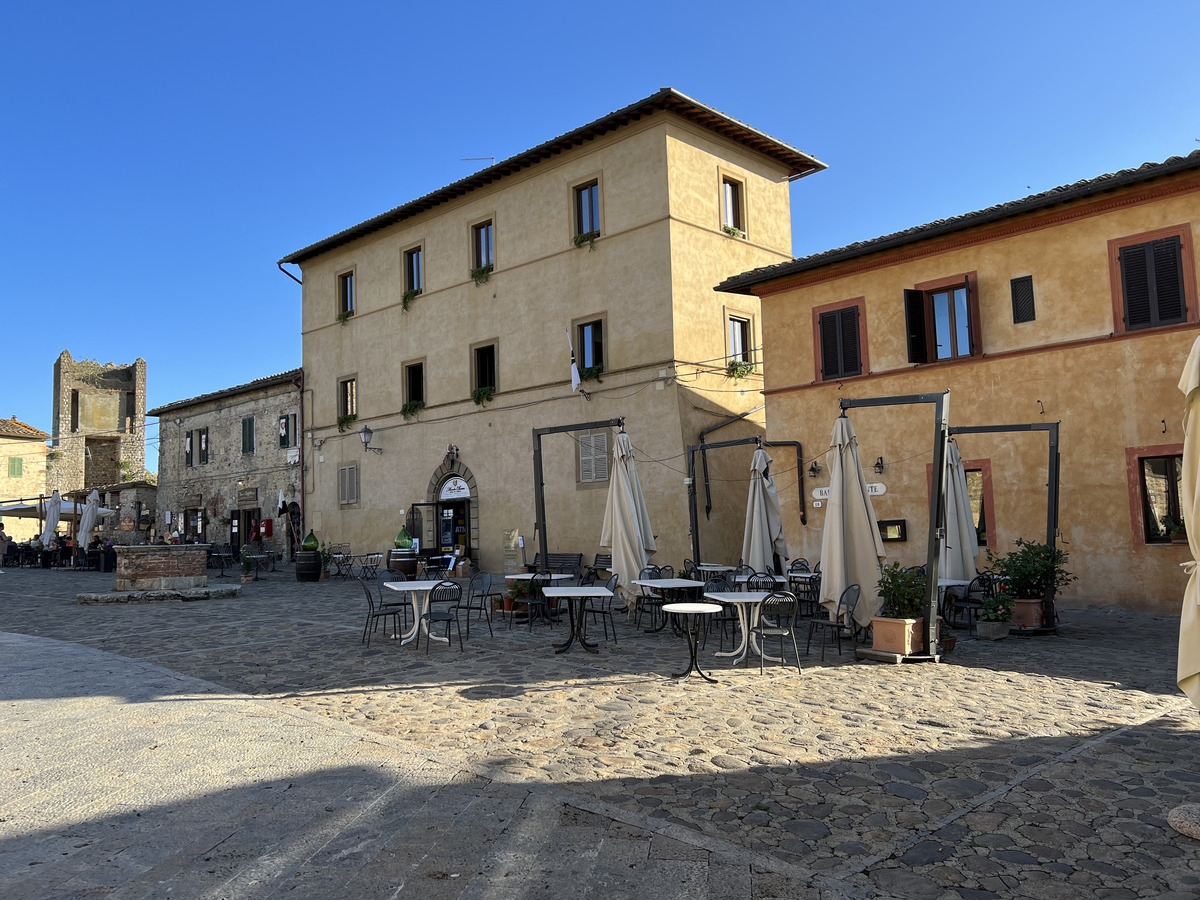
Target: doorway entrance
(243, 527)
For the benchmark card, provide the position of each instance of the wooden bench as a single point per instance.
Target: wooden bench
(558, 561)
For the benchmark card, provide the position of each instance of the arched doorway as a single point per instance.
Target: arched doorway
(449, 519)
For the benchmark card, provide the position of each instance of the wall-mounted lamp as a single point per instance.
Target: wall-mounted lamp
(814, 470)
(451, 453)
(365, 435)
(879, 466)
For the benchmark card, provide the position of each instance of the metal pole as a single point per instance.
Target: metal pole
(693, 515)
(937, 520)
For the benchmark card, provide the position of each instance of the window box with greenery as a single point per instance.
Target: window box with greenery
(587, 237)
(407, 298)
(344, 422)
(739, 368)
(733, 231)
(410, 409)
(1031, 575)
(592, 373)
(481, 274)
(897, 628)
(482, 395)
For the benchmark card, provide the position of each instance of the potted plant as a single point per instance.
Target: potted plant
(994, 617)
(1029, 575)
(108, 557)
(947, 639)
(739, 368)
(247, 569)
(326, 558)
(897, 628)
(518, 592)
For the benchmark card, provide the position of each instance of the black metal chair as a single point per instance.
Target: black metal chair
(778, 616)
(389, 597)
(602, 608)
(443, 606)
(537, 603)
(479, 599)
(969, 603)
(727, 617)
(761, 581)
(649, 600)
(847, 628)
(375, 612)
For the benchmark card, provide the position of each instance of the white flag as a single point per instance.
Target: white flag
(574, 367)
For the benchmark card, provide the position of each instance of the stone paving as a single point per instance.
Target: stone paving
(1028, 767)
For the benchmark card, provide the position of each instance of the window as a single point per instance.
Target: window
(248, 434)
(979, 495)
(202, 440)
(593, 458)
(740, 345)
(16, 466)
(414, 270)
(195, 446)
(840, 339)
(481, 245)
(731, 204)
(587, 208)
(591, 345)
(414, 383)
(287, 431)
(1152, 283)
(348, 397)
(345, 289)
(188, 437)
(941, 319)
(1022, 299)
(347, 484)
(484, 367)
(1161, 478)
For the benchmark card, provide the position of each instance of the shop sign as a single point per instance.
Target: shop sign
(874, 489)
(455, 489)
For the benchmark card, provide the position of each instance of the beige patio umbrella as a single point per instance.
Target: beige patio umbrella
(87, 521)
(1188, 674)
(851, 546)
(626, 531)
(53, 510)
(763, 538)
(961, 546)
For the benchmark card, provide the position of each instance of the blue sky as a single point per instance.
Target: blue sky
(157, 159)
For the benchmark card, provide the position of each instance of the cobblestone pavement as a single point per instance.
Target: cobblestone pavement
(1028, 767)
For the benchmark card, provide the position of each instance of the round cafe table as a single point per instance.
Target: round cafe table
(693, 611)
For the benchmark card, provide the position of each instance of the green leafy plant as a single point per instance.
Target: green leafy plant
(344, 422)
(410, 409)
(480, 275)
(1173, 525)
(739, 368)
(997, 608)
(903, 592)
(407, 298)
(588, 237)
(1031, 570)
(247, 563)
(326, 552)
(591, 373)
(344, 316)
(518, 590)
(482, 395)
(733, 231)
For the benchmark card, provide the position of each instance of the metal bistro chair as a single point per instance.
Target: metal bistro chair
(778, 616)
(649, 600)
(970, 603)
(375, 612)
(537, 603)
(727, 617)
(762, 581)
(602, 607)
(479, 599)
(840, 628)
(444, 602)
(390, 597)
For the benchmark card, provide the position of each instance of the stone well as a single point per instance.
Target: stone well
(162, 567)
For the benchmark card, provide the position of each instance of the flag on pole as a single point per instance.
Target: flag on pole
(574, 367)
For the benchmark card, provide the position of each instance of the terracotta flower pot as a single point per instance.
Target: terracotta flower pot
(901, 636)
(1027, 613)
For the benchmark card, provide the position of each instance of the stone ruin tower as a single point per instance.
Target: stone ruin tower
(99, 434)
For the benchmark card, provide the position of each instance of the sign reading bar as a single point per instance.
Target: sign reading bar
(874, 489)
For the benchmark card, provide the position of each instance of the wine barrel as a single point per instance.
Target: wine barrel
(403, 560)
(308, 565)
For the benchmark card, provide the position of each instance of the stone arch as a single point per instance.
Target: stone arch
(448, 469)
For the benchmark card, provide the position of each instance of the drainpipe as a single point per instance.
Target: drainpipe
(704, 455)
(289, 274)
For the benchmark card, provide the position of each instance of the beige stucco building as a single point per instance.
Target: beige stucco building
(1077, 305)
(224, 458)
(22, 471)
(612, 234)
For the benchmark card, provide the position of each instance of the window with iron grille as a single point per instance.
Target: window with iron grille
(1022, 299)
(593, 458)
(348, 484)
(1152, 283)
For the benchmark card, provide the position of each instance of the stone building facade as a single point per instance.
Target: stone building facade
(134, 504)
(1078, 305)
(99, 426)
(446, 326)
(224, 458)
(22, 471)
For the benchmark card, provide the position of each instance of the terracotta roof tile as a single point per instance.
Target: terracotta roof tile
(14, 428)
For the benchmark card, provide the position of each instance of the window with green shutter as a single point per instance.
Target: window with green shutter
(248, 434)
(16, 466)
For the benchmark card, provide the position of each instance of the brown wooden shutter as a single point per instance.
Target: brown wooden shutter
(1135, 286)
(1168, 280)
(830, 364)
(914, 317)
(848, 327)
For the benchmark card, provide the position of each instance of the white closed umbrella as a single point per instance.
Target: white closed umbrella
(763, 539)
(626, 531)
(1188, 672)
(53, 511)
(851, 546)
(87, 521)
(961, 546)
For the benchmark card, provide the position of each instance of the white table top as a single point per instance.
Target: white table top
(525, 576)
(693, 608)
(742, 579)
(669, 583)
(738, 596)
(803, 574)
(418, 586)
(715, 567)
(587, 590)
